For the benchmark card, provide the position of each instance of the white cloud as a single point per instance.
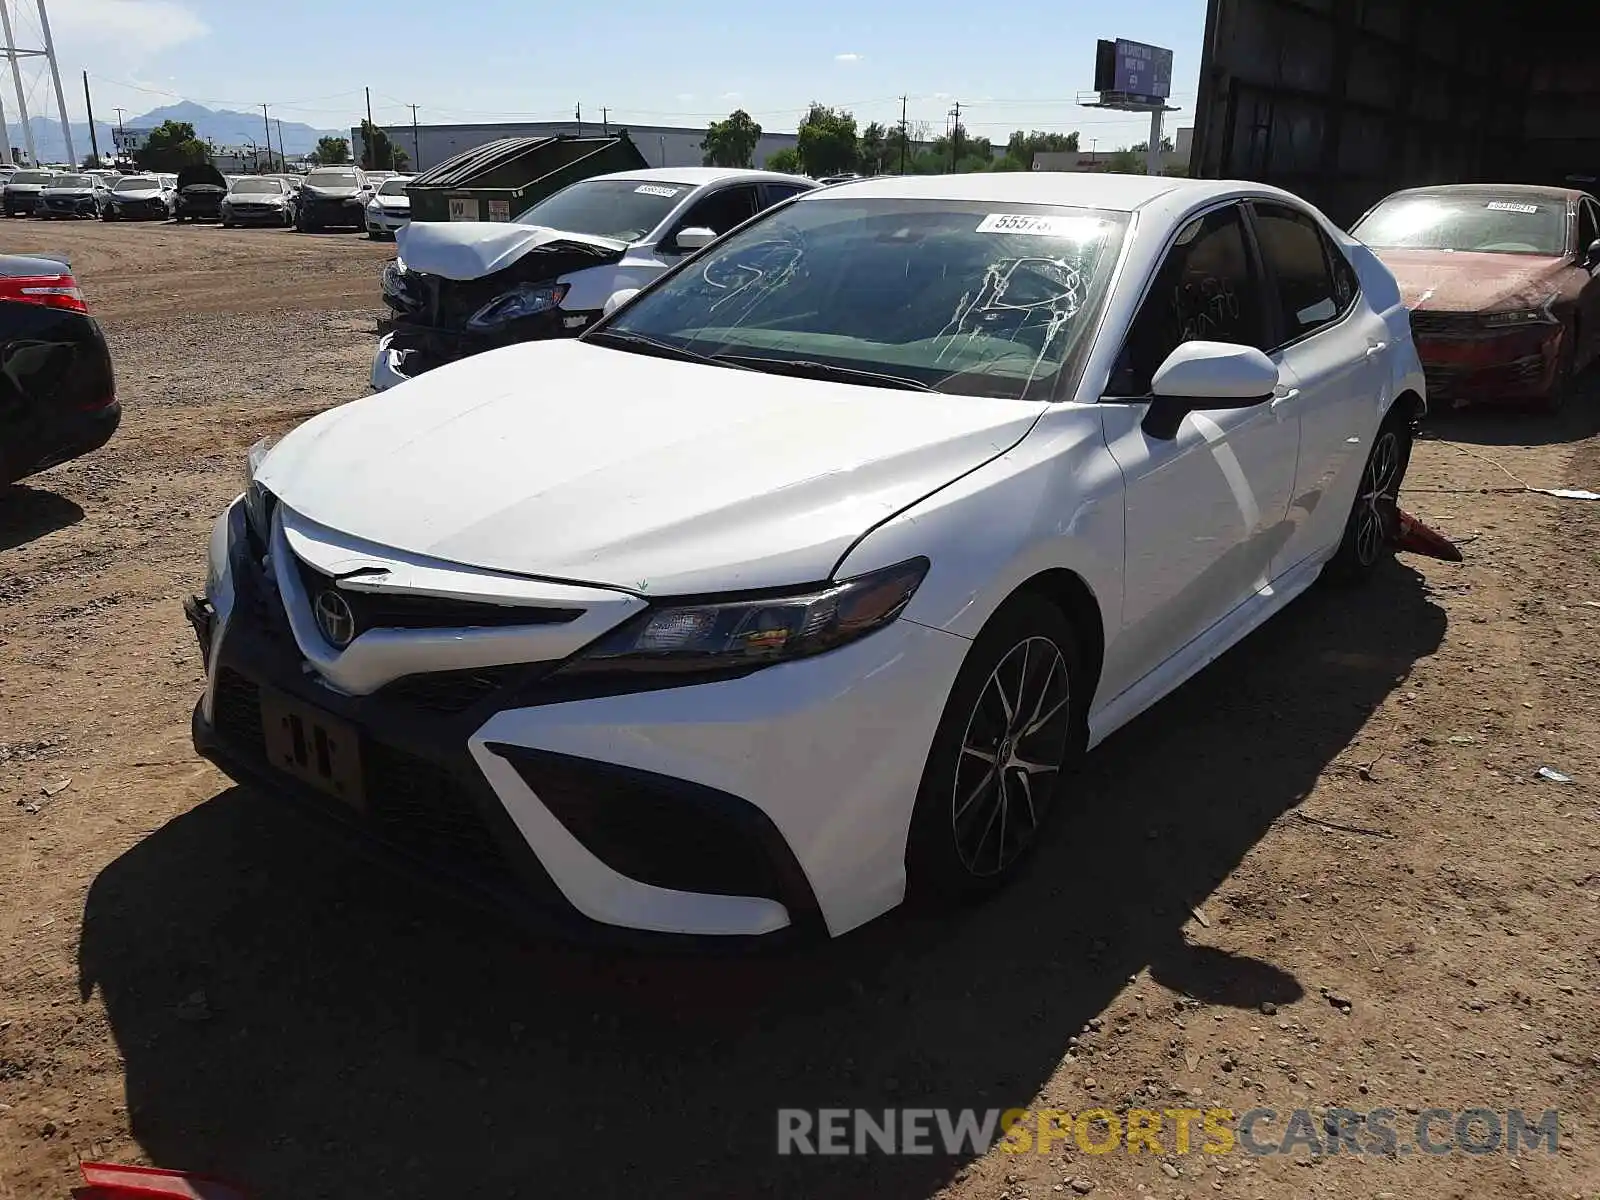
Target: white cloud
(136, 29)
(849, 59)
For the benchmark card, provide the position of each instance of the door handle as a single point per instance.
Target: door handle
(1376, 348)
(1283, 397)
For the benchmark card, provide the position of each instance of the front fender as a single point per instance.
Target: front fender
(1052, 502)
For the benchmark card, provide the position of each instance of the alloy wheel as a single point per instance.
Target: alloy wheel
(1380, 486)
(1015, 741)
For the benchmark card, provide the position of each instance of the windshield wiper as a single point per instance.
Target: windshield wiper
(643, 344)
(809, 369)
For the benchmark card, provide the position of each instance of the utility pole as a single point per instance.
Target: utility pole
(905, 135)
(369, 155)
(416, 139)
(282, 153)
(578, 113)
(955, 135)
(605, 120)
(55, 75)
(16, 78)
(266, 123)
(122, 134)
(88, 103)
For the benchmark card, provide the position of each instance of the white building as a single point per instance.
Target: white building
(661, 145)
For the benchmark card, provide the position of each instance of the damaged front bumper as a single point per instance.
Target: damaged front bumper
(407, 350)
(1492, 366)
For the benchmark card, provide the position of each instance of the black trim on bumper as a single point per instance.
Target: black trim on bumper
(667, 831)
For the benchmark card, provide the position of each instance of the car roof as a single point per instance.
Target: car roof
(700, 176)
(1084, 189)
(1531, 190)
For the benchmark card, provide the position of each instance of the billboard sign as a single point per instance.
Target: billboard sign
(1133, 70)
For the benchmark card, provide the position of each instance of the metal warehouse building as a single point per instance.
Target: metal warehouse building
(662, 145)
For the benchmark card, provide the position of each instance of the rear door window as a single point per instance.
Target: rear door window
(1295, 251)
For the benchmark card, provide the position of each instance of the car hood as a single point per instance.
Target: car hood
(136, 194)
(69, 191)
(570, 461)
(392, 201)
(1469, 281)
(323, 193)
(25, 187)
(475, 249)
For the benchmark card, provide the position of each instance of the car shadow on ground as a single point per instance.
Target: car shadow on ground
(28, 513)
(307, 1024)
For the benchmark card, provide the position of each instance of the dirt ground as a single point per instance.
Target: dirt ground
(1323, 874)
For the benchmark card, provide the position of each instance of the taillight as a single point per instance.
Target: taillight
(51, 291)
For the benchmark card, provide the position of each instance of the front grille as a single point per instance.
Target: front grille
(421, 808)
(387, 610)
(660, 833)
(449, 691)
(1444, 324)
(237, 712)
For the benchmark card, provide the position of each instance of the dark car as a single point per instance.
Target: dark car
(333, 198)
(58, 397)
(70, 196)
(258, 200)
(1501, 283)
(200, 192)
(21, 192)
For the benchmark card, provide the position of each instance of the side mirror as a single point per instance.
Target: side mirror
(1204, 375)
(1591, 256)
(694, 238)
(617, 299)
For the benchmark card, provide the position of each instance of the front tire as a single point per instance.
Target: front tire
(1375, 515)
(1011, 727)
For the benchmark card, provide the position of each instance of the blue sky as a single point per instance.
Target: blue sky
(1016, 65)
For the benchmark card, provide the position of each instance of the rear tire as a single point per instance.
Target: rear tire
(1011, 728)
(1375, 515)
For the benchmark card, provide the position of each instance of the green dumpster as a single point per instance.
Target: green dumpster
(499, 179)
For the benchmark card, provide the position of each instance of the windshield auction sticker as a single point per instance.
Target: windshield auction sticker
(1078, 228)
(655, 189)
(1508, 206)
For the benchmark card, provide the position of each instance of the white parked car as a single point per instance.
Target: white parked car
(390, 207)
(461, 287)
(793, 586)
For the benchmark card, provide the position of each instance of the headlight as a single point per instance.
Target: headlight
(742, 634)
(1517, 317)
(526, 300)
(257, 500)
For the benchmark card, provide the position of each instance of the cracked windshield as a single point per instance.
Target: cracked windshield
(937, 296)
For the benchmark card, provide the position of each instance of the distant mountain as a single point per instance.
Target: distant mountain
(235, 128)
(221, 127)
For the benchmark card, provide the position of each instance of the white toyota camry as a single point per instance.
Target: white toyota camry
(793, 587)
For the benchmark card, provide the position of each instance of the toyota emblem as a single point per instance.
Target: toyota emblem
(335, 618)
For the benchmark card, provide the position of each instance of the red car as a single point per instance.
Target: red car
(1502, 285)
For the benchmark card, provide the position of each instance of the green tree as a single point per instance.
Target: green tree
(828, 143)
(171, 147)
(1023, 146)
(1142, 147)
(731, 143)
(1126, 162)
(874, 149)
(378, 153)
(787, 161)
(332, 151)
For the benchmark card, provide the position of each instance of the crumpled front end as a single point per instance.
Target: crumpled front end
(438, 320)
(1469, 361)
